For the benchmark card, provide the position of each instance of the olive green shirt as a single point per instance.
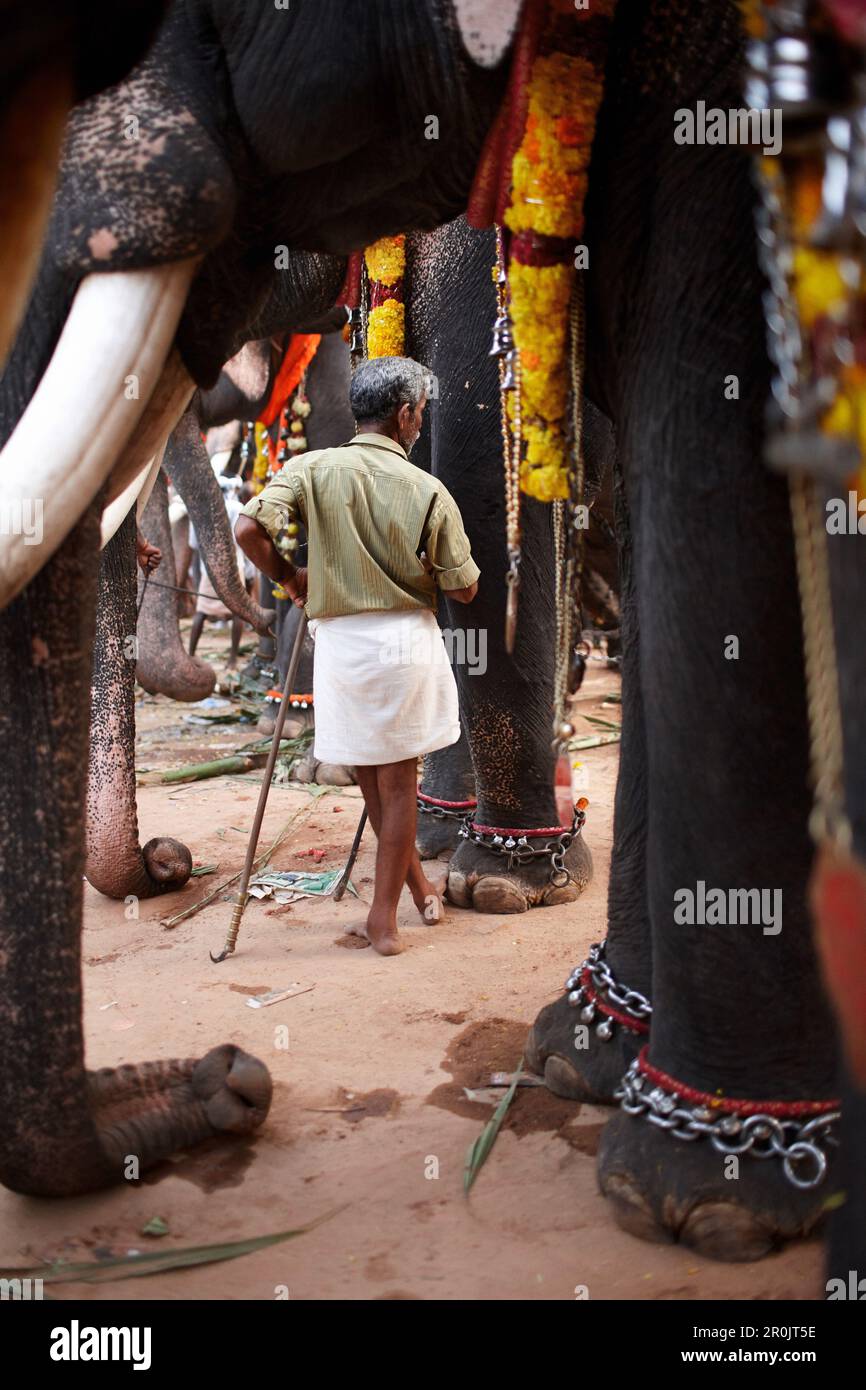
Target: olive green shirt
(368, 513)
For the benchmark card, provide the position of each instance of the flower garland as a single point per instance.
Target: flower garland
(560, 86)
(826, 278)
(386, 325)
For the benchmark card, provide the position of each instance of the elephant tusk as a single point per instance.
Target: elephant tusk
(170, 398)
(135, 494)
(90, 401)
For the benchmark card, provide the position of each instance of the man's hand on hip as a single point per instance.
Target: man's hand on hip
(297, 587)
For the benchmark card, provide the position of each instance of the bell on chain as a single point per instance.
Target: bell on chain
(509, 381)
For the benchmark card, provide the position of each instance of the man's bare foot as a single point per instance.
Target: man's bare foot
(428, 900)
(382, 935)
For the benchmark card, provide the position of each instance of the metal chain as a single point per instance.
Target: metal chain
(828, 821)
(797, 1142)
(519, 850)
(631, 1001)
(439, 812)
(569, 541)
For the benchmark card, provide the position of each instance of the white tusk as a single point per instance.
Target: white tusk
(169, 400)
(85, 410)
(136, 495)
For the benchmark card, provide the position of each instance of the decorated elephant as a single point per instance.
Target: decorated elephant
(713, 1029)
(503, 767)
(163, 236)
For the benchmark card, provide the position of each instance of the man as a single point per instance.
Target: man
(383, 536)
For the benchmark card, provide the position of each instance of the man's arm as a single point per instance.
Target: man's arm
(447, 554)
(257, 545)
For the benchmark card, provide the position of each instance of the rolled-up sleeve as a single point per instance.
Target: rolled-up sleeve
(275, 506)
(447, 546)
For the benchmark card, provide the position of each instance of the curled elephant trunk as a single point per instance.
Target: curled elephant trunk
(164, 666)
(116, 864)
(188, 466)
(95, 394)
(138, 1115)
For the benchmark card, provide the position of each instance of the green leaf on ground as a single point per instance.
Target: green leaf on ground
(479, 1149)
(154, 1262)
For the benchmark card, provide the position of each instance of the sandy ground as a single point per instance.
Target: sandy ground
(370, 1124)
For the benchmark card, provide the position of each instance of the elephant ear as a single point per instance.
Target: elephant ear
(487, 28)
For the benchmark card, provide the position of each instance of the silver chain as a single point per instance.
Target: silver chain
(630, 1001)
(439, 812)
(799, 1143)
(518, 850)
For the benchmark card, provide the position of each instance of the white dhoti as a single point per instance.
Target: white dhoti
(383, 688)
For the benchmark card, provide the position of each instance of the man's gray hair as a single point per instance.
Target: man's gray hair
(380, 386)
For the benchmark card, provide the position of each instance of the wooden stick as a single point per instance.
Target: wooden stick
(241, 900)
(343, 880)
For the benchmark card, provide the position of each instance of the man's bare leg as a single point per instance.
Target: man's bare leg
(425, 894)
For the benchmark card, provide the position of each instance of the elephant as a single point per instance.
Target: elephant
(504, 759)
(54, 55)
(714, 776)
(164, 243)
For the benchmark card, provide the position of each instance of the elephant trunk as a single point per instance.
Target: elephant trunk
(116, 864)
(188, 466)
(163, 664)
(57, 1135)
(147, 1112)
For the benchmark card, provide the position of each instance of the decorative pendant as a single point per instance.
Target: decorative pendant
(513, 584)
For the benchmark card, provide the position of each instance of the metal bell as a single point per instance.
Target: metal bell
(503, 340)
(588, 1014)
(509, 381)
(605, 1030)
(576, 997)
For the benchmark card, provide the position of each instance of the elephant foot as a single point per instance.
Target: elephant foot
(435, 835)
(168, 863)
(478, 878)
(728, 1207)
(575, 1062)
(261, 672)
(334, 775)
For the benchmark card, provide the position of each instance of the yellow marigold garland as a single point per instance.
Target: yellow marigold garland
(386, 325)
(548, 187)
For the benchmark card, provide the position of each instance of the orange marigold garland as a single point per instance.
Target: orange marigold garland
(385, 261)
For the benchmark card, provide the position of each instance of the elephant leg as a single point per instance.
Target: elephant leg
(116, 863)
(584, 1057)
(448, 777)
(739, 1016)
(506, 701)
(61, 1131)
(163, 665)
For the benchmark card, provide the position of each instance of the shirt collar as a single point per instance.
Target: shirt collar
(378, 441)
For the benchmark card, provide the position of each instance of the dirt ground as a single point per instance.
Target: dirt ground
(370, 1123)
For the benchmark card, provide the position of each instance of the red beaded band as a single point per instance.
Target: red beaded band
(634, 1024)
(780, 1109)
(451, 805)
(500, 830)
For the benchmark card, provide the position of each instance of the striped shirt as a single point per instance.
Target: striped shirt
(368, 513)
